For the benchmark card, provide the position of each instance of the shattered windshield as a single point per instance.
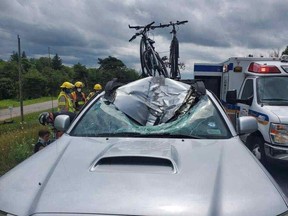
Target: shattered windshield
(104, 119)
(273, 90)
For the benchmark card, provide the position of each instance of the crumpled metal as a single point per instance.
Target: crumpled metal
(152, 100)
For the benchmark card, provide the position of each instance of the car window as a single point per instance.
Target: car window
(247, 89)
(202, 120)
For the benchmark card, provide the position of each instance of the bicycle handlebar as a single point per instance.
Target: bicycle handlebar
(181, 22)
(134, 36)
(160, 26)
(170, 24)
(149, 26)
(142, 32)
(142, 27)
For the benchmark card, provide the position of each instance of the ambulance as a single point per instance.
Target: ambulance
(257, 87)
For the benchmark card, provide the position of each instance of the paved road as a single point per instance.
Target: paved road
(5, 113)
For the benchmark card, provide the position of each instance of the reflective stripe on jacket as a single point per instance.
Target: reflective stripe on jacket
(65, 103)
(90, 95)
(79, 99)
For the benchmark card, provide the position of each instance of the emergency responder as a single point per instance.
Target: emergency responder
(78, 96)
(48, 118)
(65, 102)
(96, 91)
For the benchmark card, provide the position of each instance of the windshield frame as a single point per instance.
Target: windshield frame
(228, 132)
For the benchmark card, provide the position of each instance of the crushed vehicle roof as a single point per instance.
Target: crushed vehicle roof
(155, 100)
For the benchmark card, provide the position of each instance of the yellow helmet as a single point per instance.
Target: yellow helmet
(79, 84)
(97, 87)
(67, 85)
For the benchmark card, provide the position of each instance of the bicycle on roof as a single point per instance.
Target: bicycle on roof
(151, 62)
(174, 50)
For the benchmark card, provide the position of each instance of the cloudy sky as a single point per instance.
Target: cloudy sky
(85, 30)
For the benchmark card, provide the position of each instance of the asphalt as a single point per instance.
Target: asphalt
(8, 114)
(280, 175)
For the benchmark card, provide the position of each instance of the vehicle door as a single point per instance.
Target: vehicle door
(246, 94)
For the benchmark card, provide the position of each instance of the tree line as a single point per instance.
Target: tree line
(43, 76)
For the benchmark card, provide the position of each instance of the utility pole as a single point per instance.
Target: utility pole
(49, 57)
(49, 79)
(20, 80)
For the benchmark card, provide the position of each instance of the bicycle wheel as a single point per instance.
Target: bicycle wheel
(144, 59)
(174, 55)
(161, 68)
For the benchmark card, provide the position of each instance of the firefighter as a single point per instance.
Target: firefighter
(65, 102)
(78, 96)
(96, 91)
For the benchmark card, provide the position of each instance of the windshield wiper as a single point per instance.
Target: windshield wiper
(122, 134)
(170, 135)
(152, 135)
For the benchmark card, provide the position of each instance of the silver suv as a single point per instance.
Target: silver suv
(152, 147)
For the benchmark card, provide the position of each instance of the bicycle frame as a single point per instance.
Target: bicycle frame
(151, 63)
(149, 56)
(174, 49)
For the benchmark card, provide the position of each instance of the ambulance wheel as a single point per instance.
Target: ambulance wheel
(256, 144)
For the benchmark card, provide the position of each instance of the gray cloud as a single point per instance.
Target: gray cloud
(85, 30)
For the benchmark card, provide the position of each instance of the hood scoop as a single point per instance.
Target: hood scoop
(140, 157)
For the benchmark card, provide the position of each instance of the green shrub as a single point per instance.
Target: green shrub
(19, 151)
(34, 84)
(17, 141)
(7, 88)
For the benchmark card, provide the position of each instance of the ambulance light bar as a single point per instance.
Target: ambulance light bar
(264, 69)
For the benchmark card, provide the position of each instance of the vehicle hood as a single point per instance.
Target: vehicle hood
(207, 177)
(280, 112)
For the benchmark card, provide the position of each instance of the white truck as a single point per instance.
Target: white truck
(256, 87)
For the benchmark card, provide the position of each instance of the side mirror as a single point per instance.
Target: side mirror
(247, 101)
(231, 97)
(246, 125)
(62, 122)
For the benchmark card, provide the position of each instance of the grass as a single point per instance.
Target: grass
(17, 141)
(5, 104)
